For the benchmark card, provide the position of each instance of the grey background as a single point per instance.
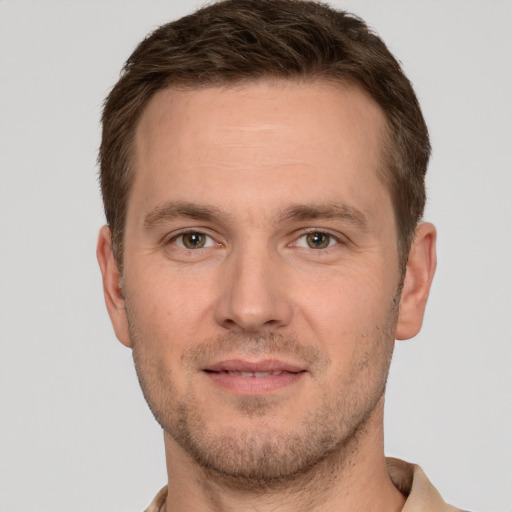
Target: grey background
(75, 432)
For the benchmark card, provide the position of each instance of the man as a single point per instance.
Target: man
(262, 169)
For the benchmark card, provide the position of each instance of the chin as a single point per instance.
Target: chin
(256, 452)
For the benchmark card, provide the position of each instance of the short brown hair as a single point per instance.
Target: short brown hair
(242, 40)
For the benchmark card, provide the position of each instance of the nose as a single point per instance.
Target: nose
(253, 293)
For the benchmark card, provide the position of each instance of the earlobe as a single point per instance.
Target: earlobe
(112, 290)
(421, 267)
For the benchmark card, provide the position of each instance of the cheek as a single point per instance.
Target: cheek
(170, 312)
(342, 301)
(159, 335)
(348, 315)
(168, 297)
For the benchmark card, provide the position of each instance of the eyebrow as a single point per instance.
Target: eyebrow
(294, 212)
(177, 209)
(339, 211)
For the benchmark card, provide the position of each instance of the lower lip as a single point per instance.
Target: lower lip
(254, 385)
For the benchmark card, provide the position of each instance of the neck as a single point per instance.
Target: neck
(351, 478)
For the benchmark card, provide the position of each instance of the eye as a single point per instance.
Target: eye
(193, 240)
(316, 240)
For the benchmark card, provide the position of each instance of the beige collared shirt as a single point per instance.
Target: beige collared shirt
(409, 479)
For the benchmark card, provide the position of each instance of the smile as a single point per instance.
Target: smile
(257, 375)
(253, 378)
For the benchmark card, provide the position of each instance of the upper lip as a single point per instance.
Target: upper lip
(242, 365)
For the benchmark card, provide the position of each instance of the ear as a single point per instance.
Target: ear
(421, 266)
(112, 289)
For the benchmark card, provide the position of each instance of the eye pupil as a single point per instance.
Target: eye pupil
(318, 240)
(194, 240)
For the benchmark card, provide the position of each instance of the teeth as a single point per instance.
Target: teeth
(255, 374)
(262, 374)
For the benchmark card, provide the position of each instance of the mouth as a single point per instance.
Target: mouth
(254, 377)
(257, 375)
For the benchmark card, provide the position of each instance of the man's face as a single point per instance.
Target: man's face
(260, 272)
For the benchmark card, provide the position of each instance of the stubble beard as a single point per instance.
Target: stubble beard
(322, 443)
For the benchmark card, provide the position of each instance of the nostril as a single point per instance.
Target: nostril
(247, 302)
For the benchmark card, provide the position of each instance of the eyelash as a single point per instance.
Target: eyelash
(183, 234)
(332, 240)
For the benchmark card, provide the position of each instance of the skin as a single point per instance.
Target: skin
(295, 266)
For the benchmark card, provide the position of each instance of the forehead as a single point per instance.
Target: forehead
(264, 107)
(256, 138)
